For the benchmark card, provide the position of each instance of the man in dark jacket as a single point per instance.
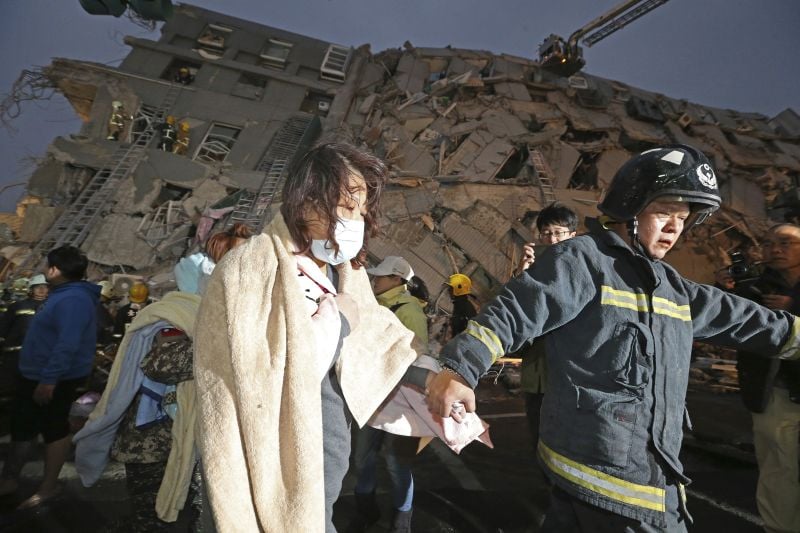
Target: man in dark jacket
(771, 388)
(619, 326)
(56, 358)
(13, 326)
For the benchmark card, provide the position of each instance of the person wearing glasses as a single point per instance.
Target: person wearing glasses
(770, 388)
(555, 223)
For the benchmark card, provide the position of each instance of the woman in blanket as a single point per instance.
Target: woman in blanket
(291, 346)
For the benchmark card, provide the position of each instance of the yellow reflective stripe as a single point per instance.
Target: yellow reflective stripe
(599, 482)
(487, 337)
(636, 301)
(662, 306)
(626, 299)
(791, 350)
(25, 312)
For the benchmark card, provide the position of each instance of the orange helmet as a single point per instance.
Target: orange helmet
(138, 293)
(184, 126)
(170, 119)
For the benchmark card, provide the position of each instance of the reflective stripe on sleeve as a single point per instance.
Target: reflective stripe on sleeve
(487, 337)
(25, 312)
(613, 488)
(791, 350)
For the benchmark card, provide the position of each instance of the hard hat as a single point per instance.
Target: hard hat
(106, 289)
(678, 171)
(38, 279)
(138, 293)
(116, 104)
(21, 285)
(183, 70)
(170, 119)
(460, 283)
(393, 265)
(184, 126)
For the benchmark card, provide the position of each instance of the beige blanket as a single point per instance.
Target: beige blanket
(260, 423)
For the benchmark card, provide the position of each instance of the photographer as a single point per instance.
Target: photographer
(771, 387)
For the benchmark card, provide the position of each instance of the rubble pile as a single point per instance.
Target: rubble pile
(477, 143)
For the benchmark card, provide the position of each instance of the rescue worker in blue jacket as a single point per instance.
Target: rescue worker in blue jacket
(620, 324)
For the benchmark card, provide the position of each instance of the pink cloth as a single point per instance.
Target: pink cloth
(405, 412)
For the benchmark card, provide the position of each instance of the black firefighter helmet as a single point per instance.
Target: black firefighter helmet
(678, 171)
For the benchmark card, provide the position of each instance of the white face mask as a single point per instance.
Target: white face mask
(350, 236)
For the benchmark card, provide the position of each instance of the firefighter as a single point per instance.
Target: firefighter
(13, 326)
(137, 300)
(182, 141)
(619, 324)
(168, 134)
(184, 76)
(464, 304)
(116, 124)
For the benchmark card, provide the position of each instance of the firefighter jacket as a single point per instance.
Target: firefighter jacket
(14, 323)
(758, 374)
(620, 330)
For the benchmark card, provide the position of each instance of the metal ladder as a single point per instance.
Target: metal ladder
(252, 208)
(543, 175)
(75, 223)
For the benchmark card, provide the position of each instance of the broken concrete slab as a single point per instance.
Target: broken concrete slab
(487, 219)
(173, 169)
(114, 242)
(477, 246)
(412, 74)
(207, 194)
(608, 162)
(503, 124)
(38, 219)
(513, 91)
(562, 159)
(137, 194)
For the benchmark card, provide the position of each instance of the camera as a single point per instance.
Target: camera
(740, 269)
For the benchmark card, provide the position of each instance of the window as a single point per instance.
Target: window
(211, 42)
(316, 103)
(250, 86)
(218, 143)
(335, 62)
(275, 53)
(173, 71)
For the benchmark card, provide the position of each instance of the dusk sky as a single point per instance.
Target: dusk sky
(737, 54)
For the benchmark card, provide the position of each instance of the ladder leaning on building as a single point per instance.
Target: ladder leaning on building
(78, 219)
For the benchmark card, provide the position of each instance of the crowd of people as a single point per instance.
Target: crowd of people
(234, 398)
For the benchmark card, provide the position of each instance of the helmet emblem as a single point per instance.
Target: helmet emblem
(706, 176)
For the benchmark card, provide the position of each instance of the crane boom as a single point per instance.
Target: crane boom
(566, 58)
(621, 21)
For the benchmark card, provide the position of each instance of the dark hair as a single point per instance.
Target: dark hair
(70, 261)
(418, 289)
(557, 214)
(317, 180)
(224, 241)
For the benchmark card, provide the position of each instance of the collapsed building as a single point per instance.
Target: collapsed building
(477, 143)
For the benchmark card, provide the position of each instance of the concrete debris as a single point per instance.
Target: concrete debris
(38, 218)
(456, 127)
(116, 242)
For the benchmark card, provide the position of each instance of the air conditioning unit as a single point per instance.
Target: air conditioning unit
(323, 106)
(122, 283)
(684, 121)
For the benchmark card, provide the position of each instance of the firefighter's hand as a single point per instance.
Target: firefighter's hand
(447, 389)
(528, 256)
(43, 393)
(777, 301)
